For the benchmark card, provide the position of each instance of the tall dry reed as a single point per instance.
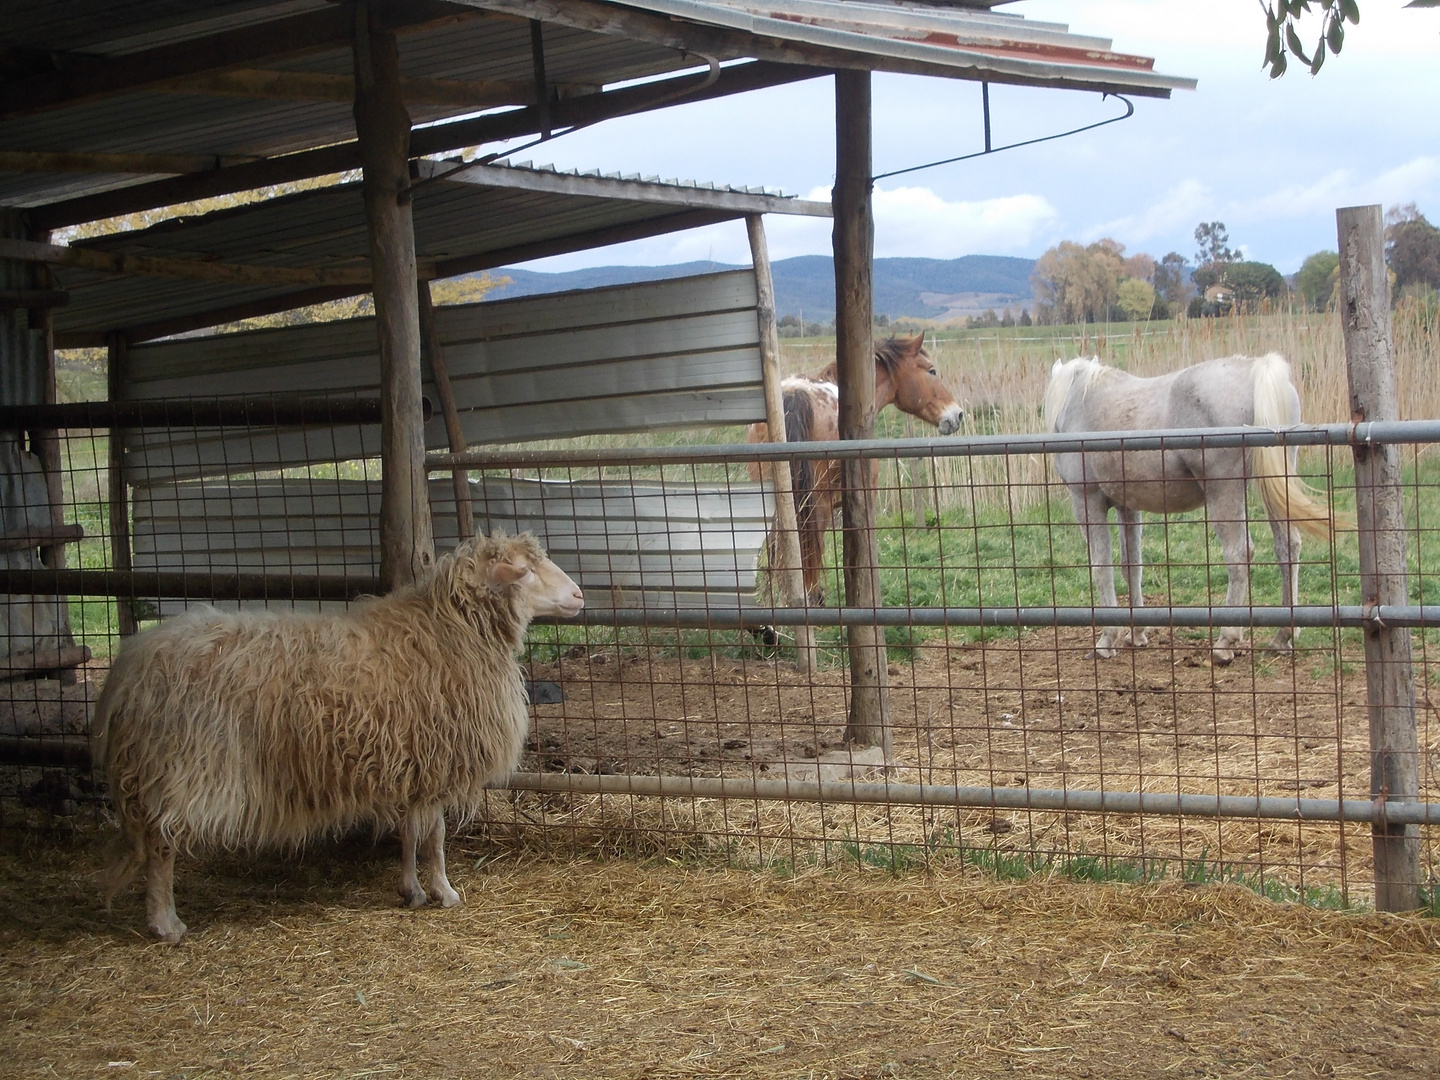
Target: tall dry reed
(1000, 376)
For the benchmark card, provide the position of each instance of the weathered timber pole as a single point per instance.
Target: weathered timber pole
(46, 445)
(1379, 511)
(440, 370)
(119, 501)
(868, 723)
(382, 126)
(787, 569)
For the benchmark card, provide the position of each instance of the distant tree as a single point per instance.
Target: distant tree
(1136, 298)
(1214, 244)
(1316, 280)
(1008, 319)
(1171, 279)
(1141, 266)
(1412, 247)
(1077, 284)
(1025, 319)
(1253, 282)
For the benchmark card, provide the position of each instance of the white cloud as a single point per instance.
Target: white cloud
(1178, 209)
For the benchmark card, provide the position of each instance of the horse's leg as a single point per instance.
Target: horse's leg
(1225, 502)
(1287, 555)
(1092, 512)
(1130, 529)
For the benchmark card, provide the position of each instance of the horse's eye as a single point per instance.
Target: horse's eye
(934, 372)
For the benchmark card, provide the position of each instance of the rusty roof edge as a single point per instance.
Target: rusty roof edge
(941, 57)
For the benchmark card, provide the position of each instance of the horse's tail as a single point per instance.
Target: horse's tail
(1287, 497)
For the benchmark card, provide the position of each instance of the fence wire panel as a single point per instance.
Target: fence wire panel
(672, 717)
(653, 695)
(197, 524)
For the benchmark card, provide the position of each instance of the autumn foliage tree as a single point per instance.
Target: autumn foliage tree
(1078, 284)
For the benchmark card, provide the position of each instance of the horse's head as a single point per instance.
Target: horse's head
(916, 387)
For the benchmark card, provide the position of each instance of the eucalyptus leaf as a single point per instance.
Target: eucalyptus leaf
(1336, 36)
(1351, 10)
(1319, 58)
(1293, 40)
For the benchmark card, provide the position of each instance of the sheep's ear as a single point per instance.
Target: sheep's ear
(507, 573)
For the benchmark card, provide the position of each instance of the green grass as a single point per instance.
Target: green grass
(1021, 866)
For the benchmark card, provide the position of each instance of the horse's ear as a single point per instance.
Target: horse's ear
(916, 344)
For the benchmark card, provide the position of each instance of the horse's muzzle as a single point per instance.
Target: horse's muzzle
(950, 420)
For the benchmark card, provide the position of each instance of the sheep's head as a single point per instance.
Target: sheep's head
(517, 567)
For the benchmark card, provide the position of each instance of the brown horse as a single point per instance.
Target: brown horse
(905, 377)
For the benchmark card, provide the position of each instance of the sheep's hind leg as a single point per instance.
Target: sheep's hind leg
(433, 853)
(160, 889)
(127, 856)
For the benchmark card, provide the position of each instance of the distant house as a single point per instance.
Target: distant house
(1220, 295)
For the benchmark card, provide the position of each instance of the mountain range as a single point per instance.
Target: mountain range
(805, 285)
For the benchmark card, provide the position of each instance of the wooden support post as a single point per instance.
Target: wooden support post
(46, 445)
(119, 496)
(407, 546)
(868, 723)
(1379, 511)
(464, 509)
(787, 568)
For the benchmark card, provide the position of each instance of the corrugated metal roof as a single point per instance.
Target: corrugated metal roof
(588, 43)
(461, 212)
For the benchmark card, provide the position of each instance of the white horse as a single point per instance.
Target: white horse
(1085, 395)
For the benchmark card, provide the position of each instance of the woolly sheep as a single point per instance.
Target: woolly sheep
(264, 729)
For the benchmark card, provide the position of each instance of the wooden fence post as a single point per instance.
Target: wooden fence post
(119, 500)
(787, 570)
(460, 476)
(1379, 510)
(868, 723)
(407, 545)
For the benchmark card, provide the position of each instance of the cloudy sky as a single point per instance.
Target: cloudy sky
(1270, 159)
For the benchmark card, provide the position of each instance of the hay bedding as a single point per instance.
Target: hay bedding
(304, 967)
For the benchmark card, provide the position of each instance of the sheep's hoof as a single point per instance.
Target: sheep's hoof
(170, 933)
(448, 897)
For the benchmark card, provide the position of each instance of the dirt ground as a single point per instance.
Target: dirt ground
(304, 966)
(1029, 711)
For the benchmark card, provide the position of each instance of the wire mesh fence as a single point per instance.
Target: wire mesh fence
(671, 718)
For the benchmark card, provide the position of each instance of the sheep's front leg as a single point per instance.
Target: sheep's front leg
(423, 832)
(160, 889)
(410, 830)
(433, 852)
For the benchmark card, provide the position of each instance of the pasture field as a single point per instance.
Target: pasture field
(304, 966)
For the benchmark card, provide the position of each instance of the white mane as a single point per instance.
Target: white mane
(1063, 375)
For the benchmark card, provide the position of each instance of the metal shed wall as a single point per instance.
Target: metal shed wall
(666, 354)
(626, 544)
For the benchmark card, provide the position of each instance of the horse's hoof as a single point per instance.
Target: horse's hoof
(1141, 641)
(414, 898)
(768, 637)
(1222, 657)
(1280, 647)
(1098, 653)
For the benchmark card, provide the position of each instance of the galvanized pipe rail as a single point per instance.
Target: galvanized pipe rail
(1304, 615)
(257, 411)
(1378, 433)
(989, 798)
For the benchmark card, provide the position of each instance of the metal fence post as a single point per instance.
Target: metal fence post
(1389, 678)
